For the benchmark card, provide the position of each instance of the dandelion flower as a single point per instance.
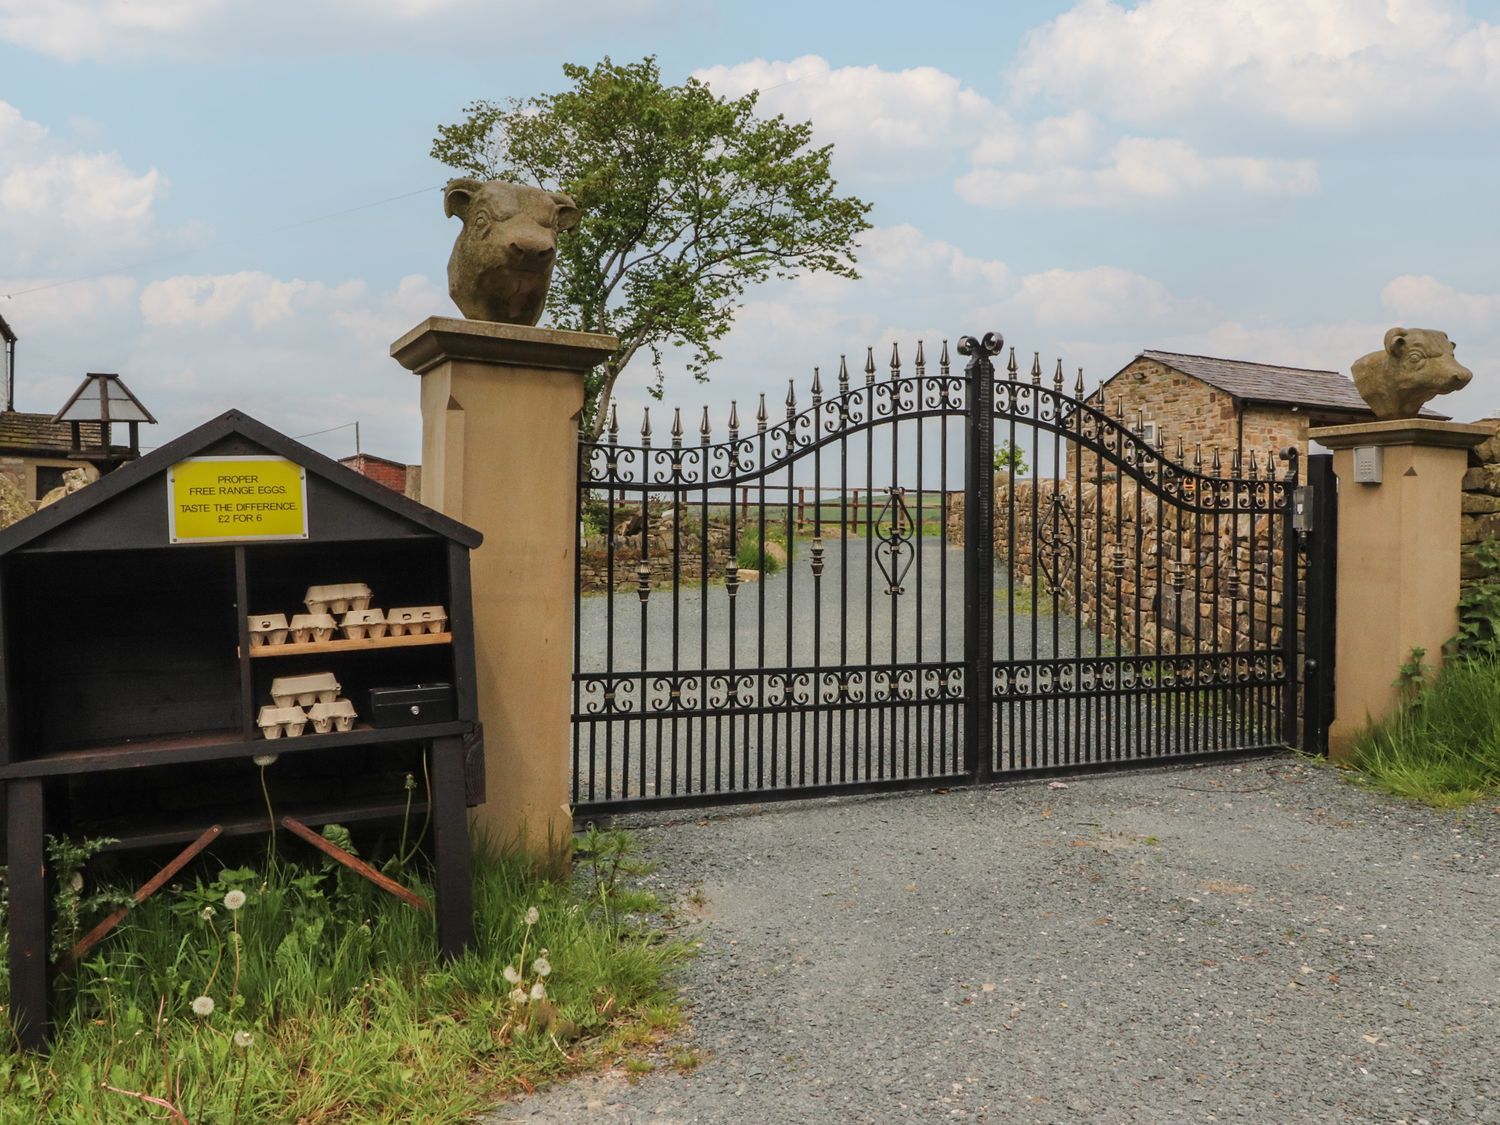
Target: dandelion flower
(234, 900)
(531, 916)
(538, 991)
(264, 760)
(511, 975)
(541, 966)
(207, 912)
(243, 1039)
(203, 1006)
(518, 995)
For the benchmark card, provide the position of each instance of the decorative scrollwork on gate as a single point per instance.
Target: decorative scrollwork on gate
(893, 527)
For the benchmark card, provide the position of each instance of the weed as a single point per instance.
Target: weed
(300, 992)
(1442, 746)
(686, 1061)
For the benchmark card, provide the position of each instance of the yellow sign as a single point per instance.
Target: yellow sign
(211, 499)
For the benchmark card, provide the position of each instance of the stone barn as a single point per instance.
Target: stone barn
(1233, 404)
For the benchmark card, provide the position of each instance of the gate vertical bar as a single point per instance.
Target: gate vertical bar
(979, 553)
(1318, 605)
(1290, 601)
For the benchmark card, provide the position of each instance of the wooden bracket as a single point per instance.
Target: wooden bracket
(353, 863)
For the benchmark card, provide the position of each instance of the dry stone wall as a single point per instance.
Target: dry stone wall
(1151, 585)
(1481, 499)
(687, 562)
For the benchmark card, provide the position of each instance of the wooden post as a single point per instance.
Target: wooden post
(450, 838)
(29, 910)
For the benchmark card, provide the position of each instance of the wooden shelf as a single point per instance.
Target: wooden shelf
(363, 644)
(246, 821)
(208, 746)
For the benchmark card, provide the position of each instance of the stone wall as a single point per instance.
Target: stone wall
(1481, 499)
(593, 552)
(1183, 585)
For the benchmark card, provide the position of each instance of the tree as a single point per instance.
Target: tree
(687, 200)
(1008, 456)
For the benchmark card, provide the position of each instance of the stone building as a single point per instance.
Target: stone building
(1233, 404)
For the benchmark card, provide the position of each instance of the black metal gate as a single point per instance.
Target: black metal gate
(922, 578)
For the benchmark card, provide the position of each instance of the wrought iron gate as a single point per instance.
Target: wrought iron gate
(815, 606)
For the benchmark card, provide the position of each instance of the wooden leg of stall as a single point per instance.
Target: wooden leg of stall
(450, 835)
(29, 964)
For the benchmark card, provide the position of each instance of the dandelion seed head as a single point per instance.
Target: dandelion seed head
(538, 991)
(243, 1039)
(234, 900)
(532, 915)
(203, 1006)
(207, 912)
(511, 975)
(541, 966)
(264, 760)
(518, 995)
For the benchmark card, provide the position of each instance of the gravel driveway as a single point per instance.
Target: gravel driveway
(1253, 942)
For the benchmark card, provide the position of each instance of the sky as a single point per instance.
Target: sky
(231, 204)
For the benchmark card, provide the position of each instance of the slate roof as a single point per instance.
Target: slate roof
(38, 434)
(1267, 383)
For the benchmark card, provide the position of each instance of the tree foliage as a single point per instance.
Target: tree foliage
(687, 198)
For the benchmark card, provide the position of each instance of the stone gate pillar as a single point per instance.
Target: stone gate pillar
(1398, 557)
(500, 411)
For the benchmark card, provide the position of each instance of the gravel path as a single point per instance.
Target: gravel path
(1254, 942)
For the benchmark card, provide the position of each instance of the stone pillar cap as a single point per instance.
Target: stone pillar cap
(440, 338)
(1402, 431)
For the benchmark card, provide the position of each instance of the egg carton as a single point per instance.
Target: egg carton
(337, 599)
(338, 715)
(277, 721)
(360, 623)
(268, 629)
(308, 627)
(416, 619)
(304, 691)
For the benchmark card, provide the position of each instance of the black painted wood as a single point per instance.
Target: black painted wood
(461, 613)
(27, 876)
(242, 613)
(450, 833)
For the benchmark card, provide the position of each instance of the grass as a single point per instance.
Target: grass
(1443, 746)
(331, 1005)
(750, 556)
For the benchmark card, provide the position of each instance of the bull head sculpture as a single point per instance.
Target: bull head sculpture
(502, 260)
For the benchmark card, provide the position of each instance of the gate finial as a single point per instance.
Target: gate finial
(921, 361)
(1057, 377)
(869, 365)
(817, 388)
(791, 398)
(646, 427)
(761, 416)
(843, 375)
(895, 360)
(677, 427)
(1036, 368)
(1010, 367)
(703, 427)
(1078, 387)
(614, 421)
(734, 419)
(943, 364)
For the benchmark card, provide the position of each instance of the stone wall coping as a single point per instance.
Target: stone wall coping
(1402, 431)
(441, 338)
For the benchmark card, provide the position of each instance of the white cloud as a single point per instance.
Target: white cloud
(1101, 297)
(879, 120)
(1308, 62)
(1135, 169)
(1426, 302)
(63, 209)
(89, 29)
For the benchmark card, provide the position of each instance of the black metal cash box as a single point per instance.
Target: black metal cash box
(411, 705)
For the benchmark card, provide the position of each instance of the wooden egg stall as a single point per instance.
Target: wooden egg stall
(232, 594)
